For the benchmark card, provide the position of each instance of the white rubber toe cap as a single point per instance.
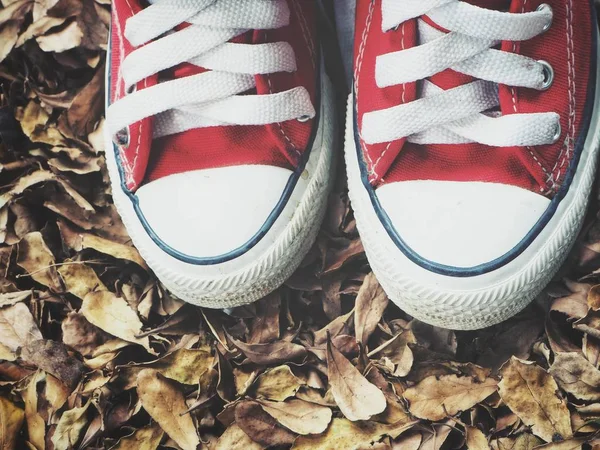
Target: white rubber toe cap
(211, 212)
(460, 224)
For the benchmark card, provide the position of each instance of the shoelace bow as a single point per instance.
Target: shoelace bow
(210, 98)
(457, 115)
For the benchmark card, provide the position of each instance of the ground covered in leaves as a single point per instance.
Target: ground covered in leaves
(95, 354)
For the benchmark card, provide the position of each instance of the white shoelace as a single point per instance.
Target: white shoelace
(210, 98)
(457, 115)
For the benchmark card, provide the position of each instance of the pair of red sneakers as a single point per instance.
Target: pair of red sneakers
(471, 143)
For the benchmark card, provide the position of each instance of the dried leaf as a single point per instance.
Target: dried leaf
(147, 438)
(357, 398)
(166, 404)
(577, 376)
(184, 365)
(531, 393)
(435, 399)
(275, 353)
(52, 357)
(277, 384)
(17, 327)
(70, 427)
(11, 419)
(476, 440)
(260, 426)
(36, 258)
(113, 315)
(234, 438)
(81, 335)
(299, 416)
(371, 302)
(80, 279)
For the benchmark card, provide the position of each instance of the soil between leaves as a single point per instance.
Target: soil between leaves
(94, 353)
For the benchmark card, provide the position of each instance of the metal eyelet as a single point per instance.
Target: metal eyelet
(548, 72)
(121, 138)
(546, 7)
(557, 133)
(131, 89)
(304, 118)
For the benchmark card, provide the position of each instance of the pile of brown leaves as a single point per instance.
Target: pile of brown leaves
(95, 354)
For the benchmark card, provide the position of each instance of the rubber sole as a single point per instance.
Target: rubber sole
(480, 301)
(236, 283)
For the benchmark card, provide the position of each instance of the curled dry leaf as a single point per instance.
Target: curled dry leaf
(357, 398)
(38, 261)
(531, 393)
(113, 315)
(11, 419)
(371, 302)
(299, 416)
(435, 399)
(166, 404)
(260, 426)
(398, 352)
(577, 376)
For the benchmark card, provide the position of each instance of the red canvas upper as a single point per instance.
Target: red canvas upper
(567, 46)
(279, 144)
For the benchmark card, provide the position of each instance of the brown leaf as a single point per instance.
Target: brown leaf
(81, 335)
(590, 324)
(265, 326)
(299, 416)
(336, 327)
(234, 438)
(523, 441)
(435, 339)
(36, 426)
(531, 393)
(398, 352)
(147, 438)
(88, 105)
(476, 440)
(113, 315)
(185, 366)
(571, 444)
(52, 357)
(11, 420)
(344, 434)
(260, 426)
(275, 353)
(371, 302)
(435, 399)
(166, 404)
(80, 279)
(357, 398)
(576, 376)
(17, 327)
(277, 384)
(36, 258)
(575, 304)
(70, 427)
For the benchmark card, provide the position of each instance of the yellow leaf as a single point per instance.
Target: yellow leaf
(235, 439)
(147, 438)
(299, 416)
(277, 384)
(11, 420)
(166, 404)
(69, 428)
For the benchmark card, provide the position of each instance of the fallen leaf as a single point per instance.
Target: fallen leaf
(81, 335)
(577, 376)
(166, 404)
(52, 357)
(79, 279)
(275, 353)
(36, 425)
(435, 399)
(357, 398)
(265, 326)
(398, 352)
(234, 438)
(371, 302)
(531, 393)
(11, 420)
(113, 315)
(524, 441)
(476, 440)
(38, 261)
(277, 384)
(347, 435)
(299, 416)
(69, 428)
(147, 438)
(260, 426)
(17, 327)
(185, 366)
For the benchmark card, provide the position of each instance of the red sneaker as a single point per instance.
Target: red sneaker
(471, 146)
(222, 123)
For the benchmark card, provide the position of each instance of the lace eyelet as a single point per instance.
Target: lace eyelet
(557, 133)
(548, 75)
(121, 138)
(546, 7)
(131, 89)
(304, 118)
